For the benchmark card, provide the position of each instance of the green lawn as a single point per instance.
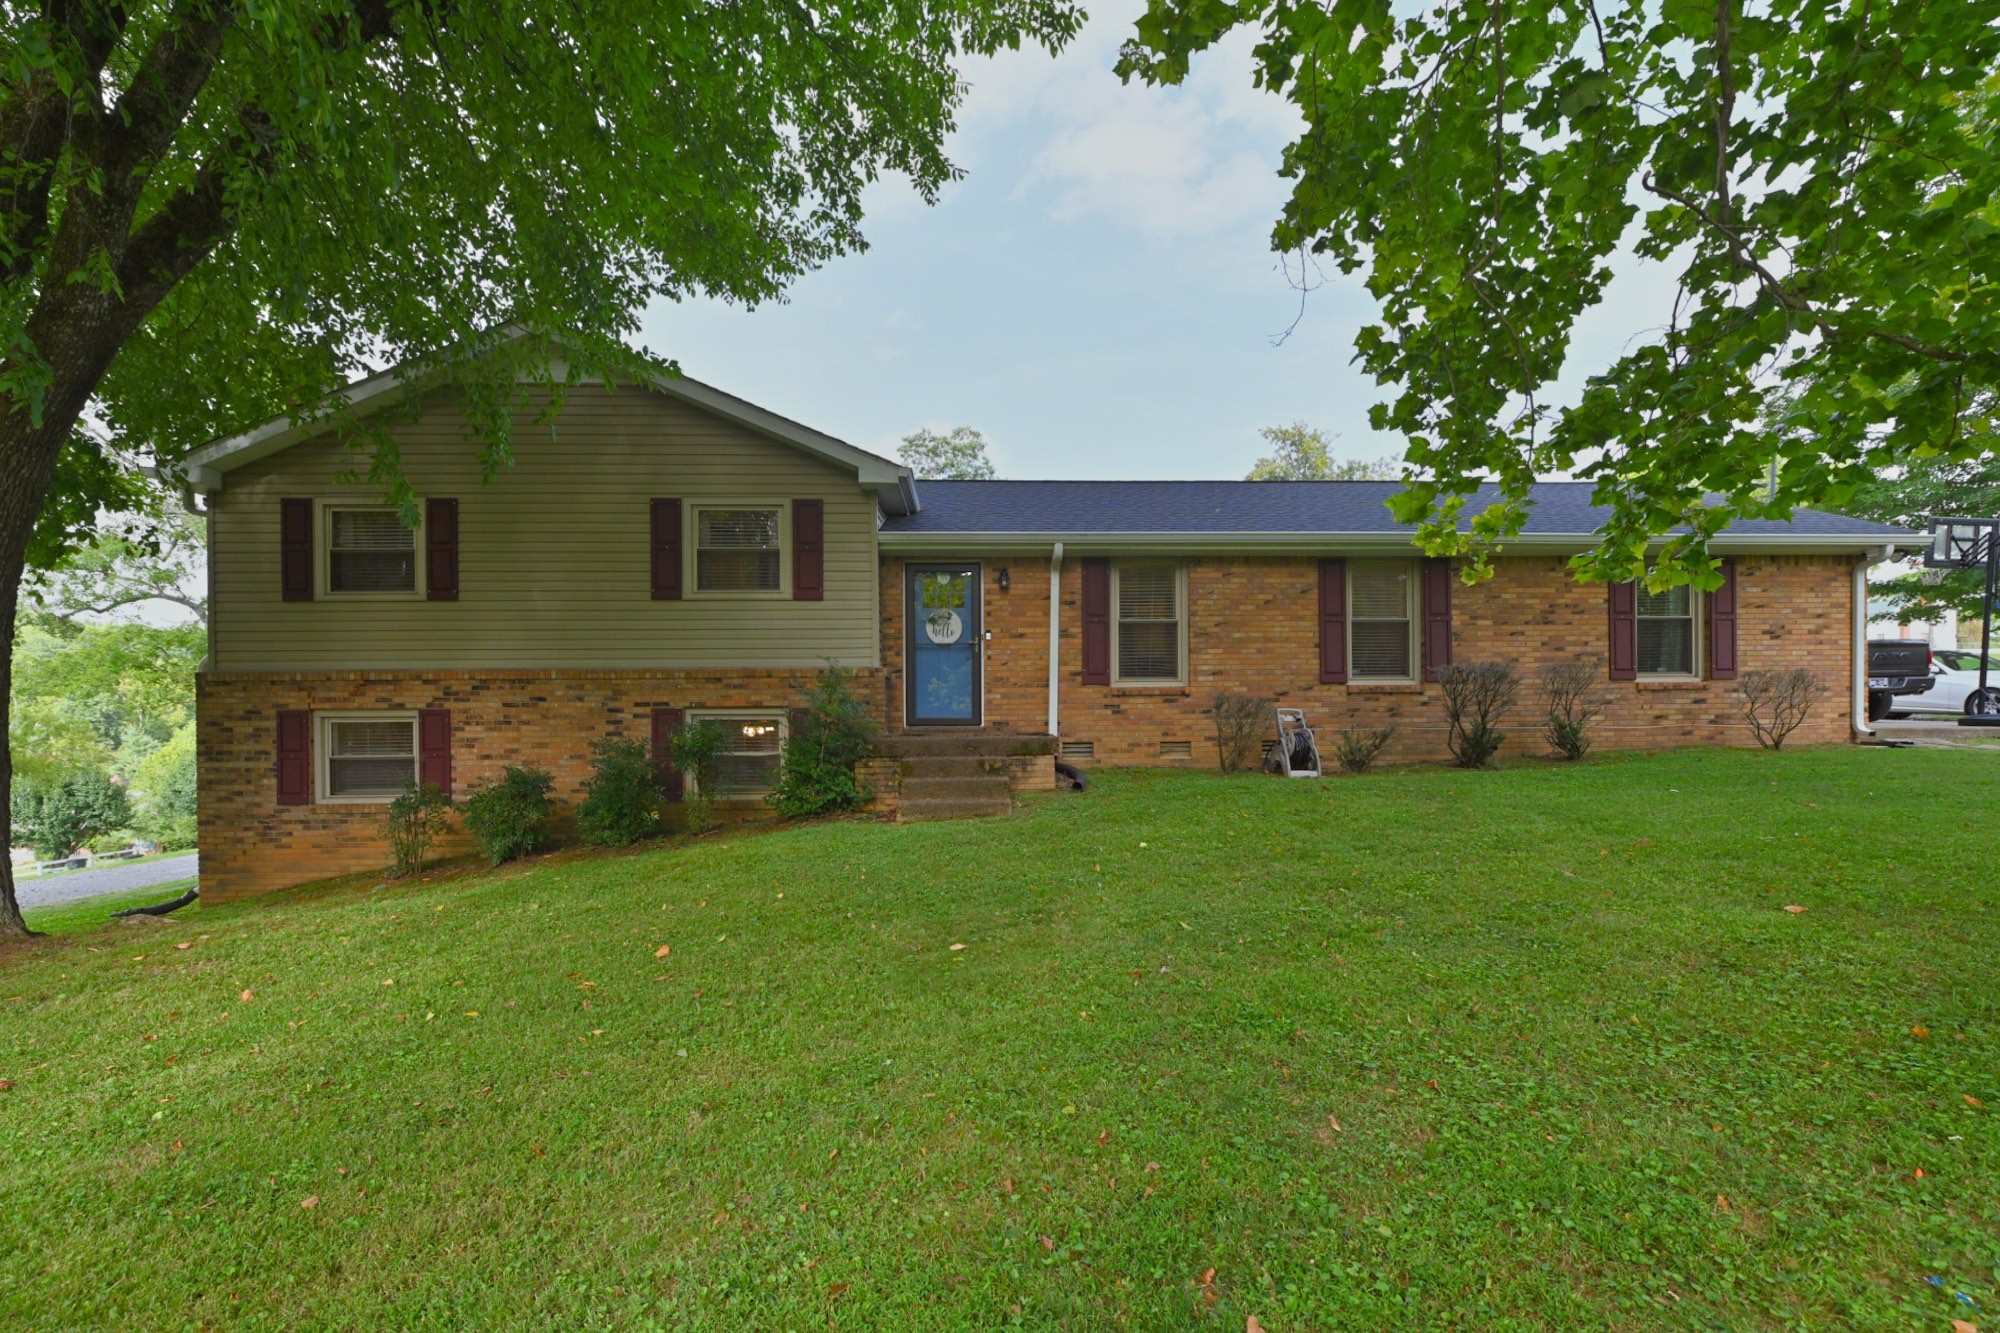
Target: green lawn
(1531, 1049)
(94, 912)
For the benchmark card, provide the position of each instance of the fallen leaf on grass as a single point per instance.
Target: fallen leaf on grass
(312, 1202)
(1207, 1284)
(246, 997)
(472, 1013)
(185, 944)
(1335, 1123)
(956, 947)
(1048, 1242)
(6, 1085)
(1920, 1032)
(663, 951)
(1964, 1326)
(1794, 909)
(1722, 1202)
(1251, 1325)
(837, 1288)
(1971, 1100)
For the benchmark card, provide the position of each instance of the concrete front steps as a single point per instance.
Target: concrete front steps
(960, 774)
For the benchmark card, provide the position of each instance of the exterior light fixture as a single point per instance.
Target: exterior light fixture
(1002, 579)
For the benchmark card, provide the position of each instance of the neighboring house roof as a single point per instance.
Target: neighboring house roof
(892, 482)
(1281, 512)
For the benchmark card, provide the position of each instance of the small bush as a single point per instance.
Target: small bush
(416, 821)
(509, 818)
(1357, 748)
(1571, 701)
(1476, 696)
(1776, 702)
(1243, 728)
(621, 797)
(57, 818)
(698, 753)
(829, 736)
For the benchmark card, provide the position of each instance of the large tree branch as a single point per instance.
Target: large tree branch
(163, 90)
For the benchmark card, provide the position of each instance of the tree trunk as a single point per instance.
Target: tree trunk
(78, 343)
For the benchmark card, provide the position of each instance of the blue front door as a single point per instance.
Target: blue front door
(943, 635)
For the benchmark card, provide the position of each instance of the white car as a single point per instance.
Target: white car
(1954, 678)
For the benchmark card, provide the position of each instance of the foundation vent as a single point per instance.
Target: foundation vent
(1079, 749)
(1176, 749)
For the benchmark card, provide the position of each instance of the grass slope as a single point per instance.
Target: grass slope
(1536, 1049)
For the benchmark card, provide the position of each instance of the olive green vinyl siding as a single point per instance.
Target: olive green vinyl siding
(554, 555)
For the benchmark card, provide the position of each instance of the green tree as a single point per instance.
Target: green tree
(136, 559)
(955, 455)
(1815, 181)
(163, 792)
(56, 820)
(214, 212)
(1304, 453)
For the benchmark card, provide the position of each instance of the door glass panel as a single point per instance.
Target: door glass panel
(944, 641)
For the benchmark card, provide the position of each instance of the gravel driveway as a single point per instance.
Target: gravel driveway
(73, 884)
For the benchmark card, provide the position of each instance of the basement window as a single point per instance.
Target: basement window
(367, 756)
(753, 746)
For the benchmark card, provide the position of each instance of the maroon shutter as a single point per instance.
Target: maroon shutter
(1437, 616)
(1097, 622)
(808, 550)
(1623, 600)
(1333, 622)
(295, 545)
(666, 550)
(434, 748)
(294, 756)
(441, 550)
(667, 721)
(1722, 626)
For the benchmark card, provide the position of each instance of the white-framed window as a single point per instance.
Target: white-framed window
(739, 548)
(365, 756)
(368, 552)
(753, 744)
(1669, 632)
(1382, 620)
(1149, 631)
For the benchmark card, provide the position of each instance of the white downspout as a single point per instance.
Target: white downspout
(1858, 671)
(1055, 639)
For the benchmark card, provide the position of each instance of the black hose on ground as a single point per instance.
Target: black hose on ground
(1073, 773)
(161, 909)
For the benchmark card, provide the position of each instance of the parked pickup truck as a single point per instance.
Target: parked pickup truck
(1896, 667)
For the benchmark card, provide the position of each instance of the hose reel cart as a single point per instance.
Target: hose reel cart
(1298, 753)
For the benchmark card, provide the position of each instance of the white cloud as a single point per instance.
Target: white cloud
(1192, 160)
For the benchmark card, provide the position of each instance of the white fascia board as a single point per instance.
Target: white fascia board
(1276, 543)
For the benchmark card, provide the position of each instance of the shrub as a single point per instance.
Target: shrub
(163, 788)
(509, 818)
(1776, 702)
(698, 753)
(1357, 748)
(1476, 696)
(1571, 701)
(621, 797)
(830, 735)
(57, 818)
(416, 820)
(1243, 728)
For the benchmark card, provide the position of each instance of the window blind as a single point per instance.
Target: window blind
(1149, 623)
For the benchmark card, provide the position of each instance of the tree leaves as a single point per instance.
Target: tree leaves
(1817, 211)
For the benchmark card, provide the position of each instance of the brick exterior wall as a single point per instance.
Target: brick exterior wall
(250, 844)
(1253, 627)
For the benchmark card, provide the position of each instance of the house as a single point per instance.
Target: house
(669, 552)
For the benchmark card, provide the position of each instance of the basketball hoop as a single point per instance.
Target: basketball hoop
(1972, 543)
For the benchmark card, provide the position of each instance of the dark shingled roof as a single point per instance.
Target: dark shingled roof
(1093, 507)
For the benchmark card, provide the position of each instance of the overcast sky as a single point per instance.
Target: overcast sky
(1098, 296)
